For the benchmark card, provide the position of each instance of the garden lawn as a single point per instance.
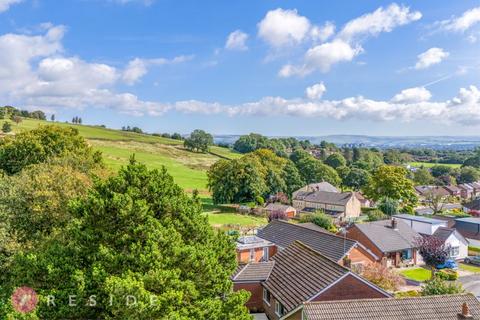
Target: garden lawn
(417, 274)
(469, 267)
(223, 219)
(429, 164)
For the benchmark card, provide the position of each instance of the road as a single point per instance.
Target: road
(471, 284)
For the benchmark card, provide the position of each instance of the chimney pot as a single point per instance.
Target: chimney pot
(465, 312)
(394, 223)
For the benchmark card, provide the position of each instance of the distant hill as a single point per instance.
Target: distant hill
(187, 168)
(434, 142)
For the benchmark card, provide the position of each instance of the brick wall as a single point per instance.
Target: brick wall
(360, 255)
(350, 288)
(255, 303)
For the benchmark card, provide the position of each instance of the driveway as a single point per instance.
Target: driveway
(471, 284)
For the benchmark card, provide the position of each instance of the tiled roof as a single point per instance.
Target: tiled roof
(334, 198)
(322, 186)
(284, 233)
(299, 273)
(313, 226)
(388, 239)
(445, 307)
(443, 233)
(255, 271)
(424, 190)
(279, 206)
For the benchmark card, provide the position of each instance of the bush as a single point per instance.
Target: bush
(321, 220)
(259, 200)
(407, 294)
(277, 215)
(375, 215)
(447, 274)
(382, 276)
(7, 127)
(437, 286)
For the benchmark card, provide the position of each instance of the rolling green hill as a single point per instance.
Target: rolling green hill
(187, 168)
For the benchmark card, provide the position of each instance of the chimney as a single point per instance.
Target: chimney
(394, 223)
(465, 314)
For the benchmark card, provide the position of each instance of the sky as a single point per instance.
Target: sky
(289, 68)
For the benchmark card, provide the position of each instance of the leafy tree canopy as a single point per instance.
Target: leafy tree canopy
(198, 141)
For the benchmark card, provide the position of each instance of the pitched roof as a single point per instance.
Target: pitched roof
(436, 190)
(322, 186)
(388, 239)
(452, 188)
(299, 273)
(446, 307)
(284, 233)
(279, 206)
(255, 271)
(313, 226)
(335, 198)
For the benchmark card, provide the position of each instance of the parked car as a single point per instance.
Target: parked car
(449, 264)
(472, 260)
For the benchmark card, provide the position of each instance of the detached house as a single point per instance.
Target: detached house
(337, 248)
(393, 241)
(342, 206)
(296, 275)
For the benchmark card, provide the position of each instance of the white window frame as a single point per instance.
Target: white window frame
(454, 250)
(265, 295)
(252, 255)
(278, 309)
(265, 253)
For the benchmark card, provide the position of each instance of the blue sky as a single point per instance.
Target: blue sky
(233, 67)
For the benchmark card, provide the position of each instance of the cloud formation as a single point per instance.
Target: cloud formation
(461, 24)
(412, 95)
(281, 28)
(316, 91)
(237, 41)
(430, 57)
(347, 44)
(6, 4)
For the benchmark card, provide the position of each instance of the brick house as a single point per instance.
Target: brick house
(340, 249)
(441, 307)
(299, 274)
(289, 211)
(254, 249)
(392, 241)
(340, 205)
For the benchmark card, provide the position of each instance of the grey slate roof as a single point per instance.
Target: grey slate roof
(388, 239)
(444, 307)
(335, 198)
(255, 271)
(469, 220)
(284, 233)
(299, 273)
(322, 186)
(443, 234)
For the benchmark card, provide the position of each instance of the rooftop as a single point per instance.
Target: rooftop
(284, 233)
(419, 219)
(446, 307)
(255, 271)
(335, 198)
(250, 242)
(469, 220)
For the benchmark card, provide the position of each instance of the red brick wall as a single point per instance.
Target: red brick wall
(255, 303)
(355, 234)
(349, 288)
(244, 255)
(360, 255)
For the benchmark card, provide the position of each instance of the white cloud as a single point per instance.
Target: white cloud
(283, 27)
(236, 41)
(430, 57)
(322, 33)
(347, 43)
(322, 57)
(461, 24)
(138, 67)
(6, 4)
(381, 20)
(316, 91)
(412, 95)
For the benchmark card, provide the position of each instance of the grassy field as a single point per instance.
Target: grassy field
(469, 267)
(417, 274)
(429, 165)
(234, 219)
(187, 168)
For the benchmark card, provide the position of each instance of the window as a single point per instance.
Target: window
(252, 254)
(407, 254)
(266, 296)
(279, 309)
(454, 251)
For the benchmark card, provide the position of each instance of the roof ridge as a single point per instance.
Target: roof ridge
(323, 233)
(391, 298)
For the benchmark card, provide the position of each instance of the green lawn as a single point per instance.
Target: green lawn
(417, 274)
(469, 267)
(429, 165)
(232, 219)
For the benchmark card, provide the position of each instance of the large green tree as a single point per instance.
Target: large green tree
(199, 141)
(356, 179)
(313, 170)
(392, 182)
(135, 237)
(335, 160)
(44, 144)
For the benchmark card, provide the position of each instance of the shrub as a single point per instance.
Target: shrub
(277, 215)
(259, 200)
(437, 286)
(382, 276)
(375, 215)
(321, 220)
(7, 127)
(447, 274)
(407, 294)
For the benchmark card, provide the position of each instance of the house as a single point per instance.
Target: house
(299, 274)
(342, 206)
(468, 227)
(289, 211)
(466, 190)
(340, 249)
(321, 186)
(423, 225)
(392, 241)
(473, 207)
(453, 190)
(364, 202)
(441, 307)
(476, 188)
(253, 249)
(454, 240)
(425, 192)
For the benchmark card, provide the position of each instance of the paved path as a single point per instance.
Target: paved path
(471, 284)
